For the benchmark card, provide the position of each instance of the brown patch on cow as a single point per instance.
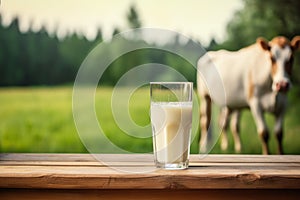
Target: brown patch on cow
(280, 41)
(250, 86)
(274, 67)
(263, 43)
(295, 43)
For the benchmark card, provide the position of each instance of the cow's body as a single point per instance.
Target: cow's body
(250, 78)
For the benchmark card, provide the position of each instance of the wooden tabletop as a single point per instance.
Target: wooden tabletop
(125, 171)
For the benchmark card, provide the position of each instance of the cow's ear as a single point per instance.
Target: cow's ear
(263, 43)
(295, 43)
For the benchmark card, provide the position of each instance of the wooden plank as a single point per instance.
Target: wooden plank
(148, 158)
(134, 194)
(107, 178)
(82, 171)
(141, 164)
(45, 157)
(144, 160)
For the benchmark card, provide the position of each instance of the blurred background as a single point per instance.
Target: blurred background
(43, 43)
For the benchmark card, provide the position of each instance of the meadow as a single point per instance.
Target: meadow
(40, 119)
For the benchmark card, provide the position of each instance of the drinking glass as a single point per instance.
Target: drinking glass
(171, 120)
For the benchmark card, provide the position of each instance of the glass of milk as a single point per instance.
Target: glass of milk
(171, 120)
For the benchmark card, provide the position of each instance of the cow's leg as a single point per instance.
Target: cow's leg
(205, 116)
(262, 129)
(235, 129)
(279, 131)
(224, 122)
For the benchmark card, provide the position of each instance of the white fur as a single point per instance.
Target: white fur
(235, 73)
(281, 56)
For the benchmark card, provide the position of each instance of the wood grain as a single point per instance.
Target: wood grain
(85, 171)
(134, 194)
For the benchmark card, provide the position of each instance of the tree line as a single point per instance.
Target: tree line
(39, 58)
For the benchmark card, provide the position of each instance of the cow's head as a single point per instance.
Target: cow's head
(281, 52)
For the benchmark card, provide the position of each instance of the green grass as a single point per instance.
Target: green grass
(40, 119)
(251, 143)
(37, 120)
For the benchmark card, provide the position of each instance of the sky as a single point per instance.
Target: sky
(199, 19)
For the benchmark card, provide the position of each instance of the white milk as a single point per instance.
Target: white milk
(171, 127)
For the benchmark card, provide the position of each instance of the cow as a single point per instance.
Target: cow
(255, 77)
